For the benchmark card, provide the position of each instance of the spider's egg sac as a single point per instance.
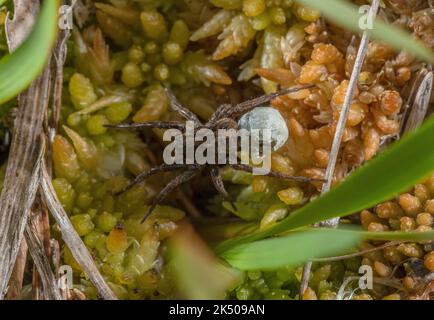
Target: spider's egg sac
(269, 118)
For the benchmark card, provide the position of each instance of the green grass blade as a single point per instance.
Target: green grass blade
(19, 69)
(298, 247)
(347, 15)
(290, 250)
(399, 167)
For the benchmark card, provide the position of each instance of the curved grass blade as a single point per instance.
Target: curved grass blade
(347, 15)
(20, 68)
(399, 167)
(301, 246)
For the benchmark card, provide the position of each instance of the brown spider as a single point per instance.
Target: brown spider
(225, 116)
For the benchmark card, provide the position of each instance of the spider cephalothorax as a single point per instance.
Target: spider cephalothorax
(226, 116)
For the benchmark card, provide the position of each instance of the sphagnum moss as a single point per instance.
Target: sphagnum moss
(199, 49)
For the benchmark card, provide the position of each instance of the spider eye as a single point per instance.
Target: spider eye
(262, 118)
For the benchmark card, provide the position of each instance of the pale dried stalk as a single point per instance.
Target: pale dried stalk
(23, 177)
(44, 282)
(39, 256)
(17, 30)
(37, 236)
(38, 227)
(22, 171)
(22, 174)
(343, 116)
(41, 222)
(59, 57)
(58, 60)
(71, 238)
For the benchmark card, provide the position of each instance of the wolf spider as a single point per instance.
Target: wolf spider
(224, 117)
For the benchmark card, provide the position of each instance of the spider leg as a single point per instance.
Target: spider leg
(274, 174)
(224, 123)
(177, 106)
(162, 168)
(152, 124)
(248, 105)
(217, 181)
(219, 113)
(180, 179)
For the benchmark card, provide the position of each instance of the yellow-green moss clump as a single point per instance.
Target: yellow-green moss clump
(211, 52)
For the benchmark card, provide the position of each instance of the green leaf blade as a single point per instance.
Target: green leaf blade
(298, 247)
(290, 250)
(19, 69)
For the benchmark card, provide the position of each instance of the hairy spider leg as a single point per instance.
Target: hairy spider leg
(274, 174)
(150, 125)
(180, 179)
(244, 107)
(177, 106)
(217, 181)
(234, 111)
(224, 123)
(218, 114)
(153, 171)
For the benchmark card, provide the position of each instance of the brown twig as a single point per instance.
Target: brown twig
(359, 253)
